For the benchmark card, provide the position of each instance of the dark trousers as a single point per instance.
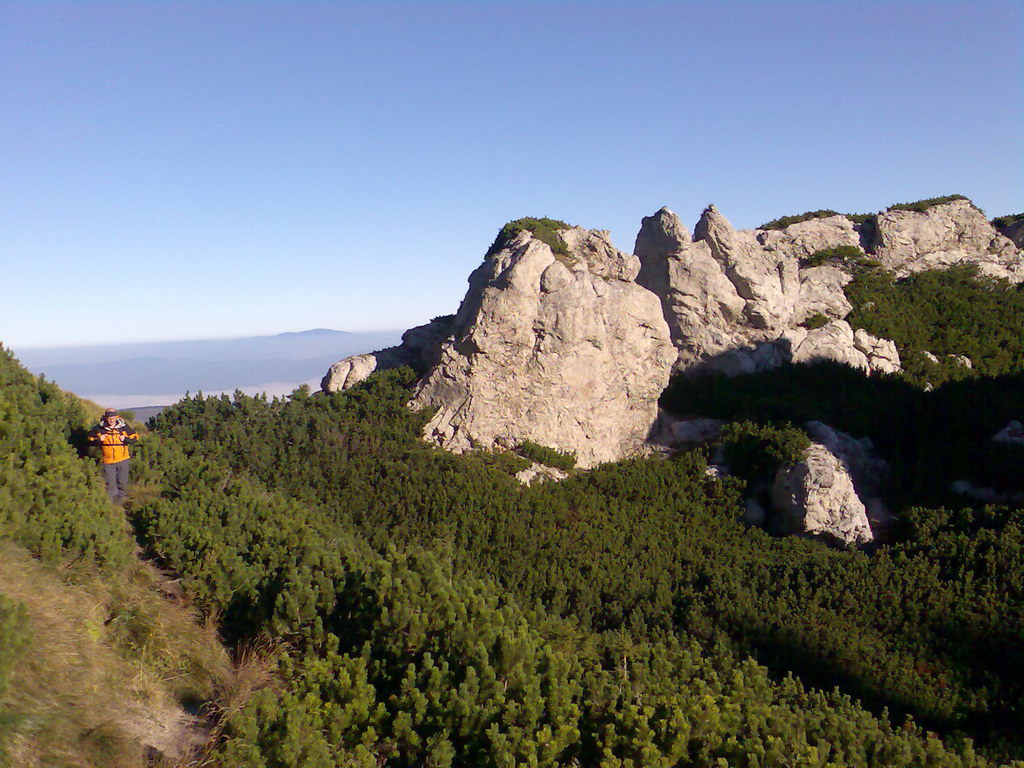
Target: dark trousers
(117, 480)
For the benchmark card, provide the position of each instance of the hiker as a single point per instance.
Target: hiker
(114, 436)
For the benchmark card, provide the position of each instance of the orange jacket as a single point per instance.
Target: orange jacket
(114, 440)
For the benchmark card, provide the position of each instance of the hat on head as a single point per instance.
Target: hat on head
(110, 412)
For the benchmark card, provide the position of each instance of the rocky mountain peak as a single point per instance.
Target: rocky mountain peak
(565, 340)
(593, 249)
(718, 232)
(569, 353)
(662, 232)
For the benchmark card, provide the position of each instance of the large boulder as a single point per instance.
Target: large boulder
(565, 350)
(817, 497)
(838, 342)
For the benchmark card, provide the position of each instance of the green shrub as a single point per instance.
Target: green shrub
(1004, 223)
(858, 219)
(548, 456)
(755, 451)
(817, 320)
(51, 501)
(299, 518)
(923, 205)
(544, 229)
(841, 255)
(955, 311)
(405, 655)
(861, 218)
(785, 221)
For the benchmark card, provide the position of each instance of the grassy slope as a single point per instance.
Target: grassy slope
(109, 662)
(98, 657)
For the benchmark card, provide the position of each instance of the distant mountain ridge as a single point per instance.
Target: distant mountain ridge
(159, 373)
(293, 345)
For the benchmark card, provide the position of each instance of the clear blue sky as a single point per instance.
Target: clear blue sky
(215, 169)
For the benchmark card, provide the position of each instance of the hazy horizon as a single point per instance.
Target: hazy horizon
(184, 340)
(160, 373)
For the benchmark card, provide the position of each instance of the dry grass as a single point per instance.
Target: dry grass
(115, 674)
(253, 669)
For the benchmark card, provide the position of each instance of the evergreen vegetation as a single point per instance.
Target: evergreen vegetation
(843, 256)
(784, 221)
(91, 655)
(544, 229)
(815, 321)
(861, 219)
(548, 456)
(921, 206)
(410, 654)
(898, 630)
(50, 502)
(1001, 222)
(864, 220)
(754, 451)
(955, 311)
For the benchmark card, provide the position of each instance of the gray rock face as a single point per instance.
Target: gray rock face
(572, 351)
(352, 370)
(817, 497)
(539, 473)
(567, 352)
(834, 341)
(675, 434)
(768, 281)
(835, 493)
(700, 303)
(805, 238)
(419, 350)
(881, 354)
(821, 292)
(944, 235)
(1012, 433)
(867, 470)
(734, 300)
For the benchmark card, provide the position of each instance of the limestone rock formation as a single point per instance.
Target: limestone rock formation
(944, 235)
(418, 350)
(571, 350)
(805, 238)
(566, 351)
(866, 468)
(817, 497)
(735, 300)
(768, 281)
(540, 473)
